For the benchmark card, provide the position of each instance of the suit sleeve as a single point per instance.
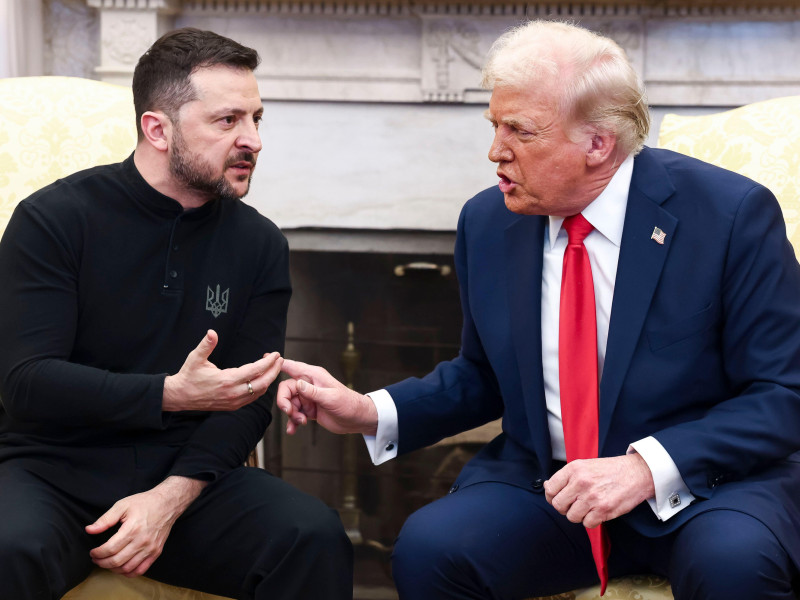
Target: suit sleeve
(459, 394)
(760, 339)
(225, 439)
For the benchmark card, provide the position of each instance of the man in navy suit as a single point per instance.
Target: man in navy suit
(697, 306)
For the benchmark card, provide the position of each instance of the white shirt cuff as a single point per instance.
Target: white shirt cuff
(672, 494)
(383, 445)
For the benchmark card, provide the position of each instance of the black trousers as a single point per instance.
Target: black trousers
(249, 535)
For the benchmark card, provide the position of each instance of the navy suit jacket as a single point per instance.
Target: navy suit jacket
(703, 347)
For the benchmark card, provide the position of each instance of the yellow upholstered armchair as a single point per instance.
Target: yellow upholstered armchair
(761, 141)
(51, 127)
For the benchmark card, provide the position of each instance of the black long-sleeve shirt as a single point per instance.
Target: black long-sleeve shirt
(106, 285)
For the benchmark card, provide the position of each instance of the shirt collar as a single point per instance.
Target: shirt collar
(157, 202)
(606, 212)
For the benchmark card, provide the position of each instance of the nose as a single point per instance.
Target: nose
(499, 151)
(249, 138)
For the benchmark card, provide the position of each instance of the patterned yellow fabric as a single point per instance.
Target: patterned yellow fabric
(634, 587)
(53, 126)
(760, 141)
(105, 585)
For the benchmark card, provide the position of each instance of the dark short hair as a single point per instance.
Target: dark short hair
(161, 80)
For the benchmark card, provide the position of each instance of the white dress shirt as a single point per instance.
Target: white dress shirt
(607, 214)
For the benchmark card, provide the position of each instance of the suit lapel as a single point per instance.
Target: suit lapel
(524, 241)
(641, 260)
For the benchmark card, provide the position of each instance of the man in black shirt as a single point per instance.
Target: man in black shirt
(116, 448)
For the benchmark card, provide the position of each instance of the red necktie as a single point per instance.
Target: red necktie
(577, 360)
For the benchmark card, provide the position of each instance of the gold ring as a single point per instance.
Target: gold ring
(250, 388)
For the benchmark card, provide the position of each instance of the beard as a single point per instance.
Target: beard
(196, 174)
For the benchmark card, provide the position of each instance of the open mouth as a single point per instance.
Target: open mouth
(506, 185)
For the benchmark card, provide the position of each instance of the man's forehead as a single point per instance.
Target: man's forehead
(220, 79)
(224, 86)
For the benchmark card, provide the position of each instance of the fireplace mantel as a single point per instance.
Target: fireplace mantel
(374, 107)
(690, 52)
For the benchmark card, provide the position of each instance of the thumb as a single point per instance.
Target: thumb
(109, 519)
(311, 394)
(206, 346)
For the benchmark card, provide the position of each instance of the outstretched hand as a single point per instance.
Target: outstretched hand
(200, 385)
(313, 393)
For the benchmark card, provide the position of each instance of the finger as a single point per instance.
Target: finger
(131, 567)
(297, 369)
(286, 390)
(117, 563)
(253, 370)
(108, 519)
(265, 379)
(576, 511)
(592, 519)
(114, 553)
(143, 566)
(115, 544)
(288, 401)
(555, 484)
(205, 347)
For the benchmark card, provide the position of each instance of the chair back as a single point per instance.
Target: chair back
(760, 141)
(51, 127)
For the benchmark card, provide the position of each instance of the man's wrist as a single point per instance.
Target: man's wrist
(371, 427)
(169, 397)
(180, 491)
(645, 475)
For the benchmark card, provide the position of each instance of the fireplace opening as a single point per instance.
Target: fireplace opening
(371, 319)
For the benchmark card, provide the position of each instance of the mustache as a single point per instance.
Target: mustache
(247, 157)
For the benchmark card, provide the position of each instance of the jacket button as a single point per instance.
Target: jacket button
(453, 489)
(537, 484)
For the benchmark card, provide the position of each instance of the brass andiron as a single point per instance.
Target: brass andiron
(349, 511)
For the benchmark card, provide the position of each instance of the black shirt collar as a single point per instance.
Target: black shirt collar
(157, 202)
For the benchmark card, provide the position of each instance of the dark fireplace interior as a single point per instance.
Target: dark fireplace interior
(406, 317)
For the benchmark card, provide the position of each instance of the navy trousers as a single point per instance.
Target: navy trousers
(497, 541)
(249, 535)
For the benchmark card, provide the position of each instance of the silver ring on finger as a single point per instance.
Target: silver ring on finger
(250, 388)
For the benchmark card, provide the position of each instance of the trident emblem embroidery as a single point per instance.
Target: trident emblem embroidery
(217, 303)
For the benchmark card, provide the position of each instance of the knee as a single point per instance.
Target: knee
(23, 568)
(727, 554)
(425, 557)
(318, 531)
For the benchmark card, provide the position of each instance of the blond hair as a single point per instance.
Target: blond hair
(595, 82)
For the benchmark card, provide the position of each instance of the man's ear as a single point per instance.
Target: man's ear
(157, 129)
(601, 146)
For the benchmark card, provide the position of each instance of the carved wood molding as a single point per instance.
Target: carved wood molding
(771, 9)
(164, 6)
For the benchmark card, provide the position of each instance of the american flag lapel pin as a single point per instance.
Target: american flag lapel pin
(658, 236)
